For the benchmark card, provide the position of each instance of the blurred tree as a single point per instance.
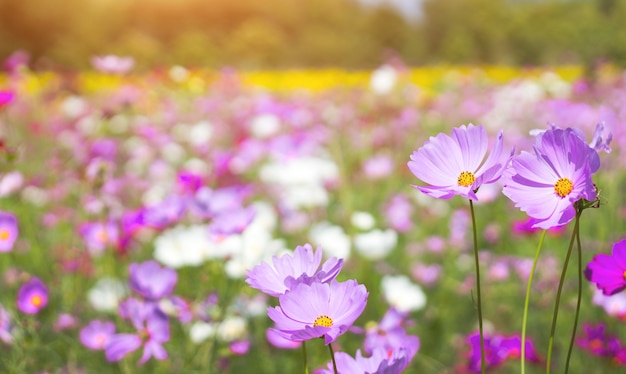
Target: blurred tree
(256, 43)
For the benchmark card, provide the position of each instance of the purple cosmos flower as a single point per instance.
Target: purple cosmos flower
(380, 362)
(97, 334)
(99, 235)
(32, 296)
(498, 349)
(152, 281)
(319, 310)
(278, 341)
(289, 269)
(598, 342)
(608, 272)
(208, 203)
(233, 221)
(152, 331)
(454, 165)
(163, 214)
(8, 231)
(390, 335)
(546, 184)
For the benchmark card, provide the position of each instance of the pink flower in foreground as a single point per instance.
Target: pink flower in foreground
(456, 165)
(290, 269)
(319, 310)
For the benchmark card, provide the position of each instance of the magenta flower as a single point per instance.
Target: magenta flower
(390, 335)
(8, 231)
(454, 165)
(546, 184)
(598, 342)
(6, 97)
(498, 349)
(32, 296)
(319, 310)
(152, 281)
(608, 272)
(286, 271)
(97, 334)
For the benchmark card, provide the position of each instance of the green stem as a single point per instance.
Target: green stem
(580, 286)
(558, 293)
(304, 358)
(332, 357)
(527, 300)
(480, 311)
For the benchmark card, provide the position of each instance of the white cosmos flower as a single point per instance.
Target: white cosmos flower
(332, 239)
(106, 294)
(403, 294)
(362, 220)
(201, 331)
(375, 244)
(232, 328)
(264, 125)
(182, 246)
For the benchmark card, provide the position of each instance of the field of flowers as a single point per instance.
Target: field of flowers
(136, 211)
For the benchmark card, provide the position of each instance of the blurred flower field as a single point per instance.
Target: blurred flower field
(134, 206)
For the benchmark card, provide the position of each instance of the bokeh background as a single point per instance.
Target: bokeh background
(315, 33)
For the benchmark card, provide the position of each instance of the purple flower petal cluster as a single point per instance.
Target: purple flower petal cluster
(8, 231)
(498, 349)
(547, 183)
(390, 335)
(97, 334)
(456, 165)
(608, 272)
(319, 310)
(285, 272)
(596, 341)
(32, 296)
(152, 281)
(380, 362)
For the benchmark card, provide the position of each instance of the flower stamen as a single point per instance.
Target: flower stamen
(324, 321)
(4, 234)
(563, 187)
(466, 179)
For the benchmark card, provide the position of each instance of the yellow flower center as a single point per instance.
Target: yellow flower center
(466, 179)
(624, 275)
(563, 187)
(36, 300)
(323, 320)
(4, 234)
(102, 236)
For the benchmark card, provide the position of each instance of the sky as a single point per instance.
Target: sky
(412, 9)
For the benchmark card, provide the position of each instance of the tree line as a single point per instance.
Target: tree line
(257, 34)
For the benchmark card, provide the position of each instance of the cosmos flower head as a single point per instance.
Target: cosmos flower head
(380, 362)
(498, 349)
(286, 271)
(608, 272)
(6, 97)
(319, 310)
(8, 231)
(152, 281)
(97, 334)
(547, 183)
(455, 165)
(32, 296)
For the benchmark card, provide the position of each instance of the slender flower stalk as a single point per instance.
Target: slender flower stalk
(332, 357)
(526, 302)
(478, 293)
(560, 288)
(579, 296)
(304, 358)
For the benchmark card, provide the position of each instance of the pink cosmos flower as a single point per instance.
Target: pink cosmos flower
(113, 64)
(455, 165)
(608, 271)
(8, 231)
(287, 271)
(546, 184)
(6, 97)
(97, 334)
(380, 362)
(319, 310)
(32, 296)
